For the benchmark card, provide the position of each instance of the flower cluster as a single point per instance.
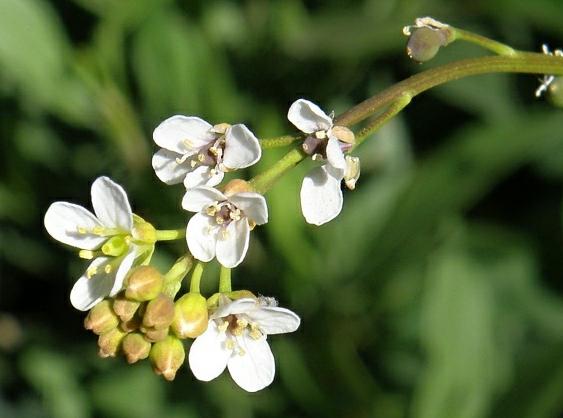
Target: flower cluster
(134, 309)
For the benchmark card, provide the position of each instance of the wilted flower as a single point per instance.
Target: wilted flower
(113, 239)
(321, 195)
(221, 227)
(236, 338)
(198, 154)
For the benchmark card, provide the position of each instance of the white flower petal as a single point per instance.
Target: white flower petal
(253, 205)
(334, 155)
(199, 197)
(274, 320)
(321, 196)
(201, 235)
(183, 134)
(202, 176)
(208, 355)
(232, 243)
(87, 292)
(111, 205)
(63, 220)
(242, 148)
(254, 368)
(308, 117)
(235, 307)
(166, 167)
(124, 266)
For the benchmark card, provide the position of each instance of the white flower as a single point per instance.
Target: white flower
(321, 195)
(221, 227)
(109, 238)
(236, 338)
(197, 153)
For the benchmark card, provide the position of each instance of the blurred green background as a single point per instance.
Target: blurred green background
(437, 293)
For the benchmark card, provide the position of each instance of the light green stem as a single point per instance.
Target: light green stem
(170, 234)
(225, 280)
(482, 41)
(280, 141)
(263, 181)
(196, 276)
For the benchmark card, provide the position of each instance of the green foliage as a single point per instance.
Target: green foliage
(435, 294)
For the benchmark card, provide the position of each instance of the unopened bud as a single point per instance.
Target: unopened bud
(144, 232)
(125, 308)
(101, 318)
(110, 342)
(135, 347)
(155, 335)
(144, 283)
(191, 316)
(555, 90)
(344, 134)
(167, 357)
(424, 43)
(159, 312)
(237, 186)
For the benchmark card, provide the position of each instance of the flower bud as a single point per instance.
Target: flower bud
(154, 335)
(159, 312)
(110, 342)
(190, 316)
(135, 347)
(555, 90)
(167, 356)
(144, 283)
(352, 172)
(424, 43)
(101, 318)
(237, 186)
(124, 308)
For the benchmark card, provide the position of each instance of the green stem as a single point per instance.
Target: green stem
(482, 41)
(280, 141)
(225, 280)
(196, 277)
(380, 120)
(523, 62)
(170, 234)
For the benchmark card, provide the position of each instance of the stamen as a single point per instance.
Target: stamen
(230, 344)
(235, 214)
(82, 230)
(241, 351)
(91, 272)
(182, 159)
(320, 134)
(86, 254)
(212, 209)
(223, 327)
(255, 332)
(201, 157)
(219, 220)
(108, 268)
(193, 163)
(98, 230)
(188, 143)
(251, 224)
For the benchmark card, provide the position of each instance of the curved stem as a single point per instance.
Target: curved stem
(263, 181)
(196, 277)
(482, 41)
(170, 234)
(225, 280)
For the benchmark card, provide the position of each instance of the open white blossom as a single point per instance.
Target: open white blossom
(236, 338)
(221, 227)
(198, 154)
(109, 238)
(321, 195)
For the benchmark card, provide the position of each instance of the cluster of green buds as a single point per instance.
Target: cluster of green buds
(143, 321)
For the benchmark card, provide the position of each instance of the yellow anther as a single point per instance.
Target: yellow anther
(193, 163)
(223, 327)
(86, 254)
(235, 214)
(107, 269)
(219, 220)
(128, 239)
(82, 230)
(91, 272)
(241, 351)
(201, 157)
(98, 230)
(214, 151)
(255, 332)
(211, 210)
(320, 134)
(230, 344)
(251, 224)
(182, 159)
(188, 143)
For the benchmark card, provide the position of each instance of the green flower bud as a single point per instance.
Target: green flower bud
(110, 342)
(424, 43)
(159, 312)
(101, 318)
(144, 283)
(155, 335)
(124, 308)
(190, 316)
(167, 356)
(135, 347)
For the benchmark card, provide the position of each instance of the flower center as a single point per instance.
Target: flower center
(210, 155)
(224, 213)
(315, 144)
(238, 326)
